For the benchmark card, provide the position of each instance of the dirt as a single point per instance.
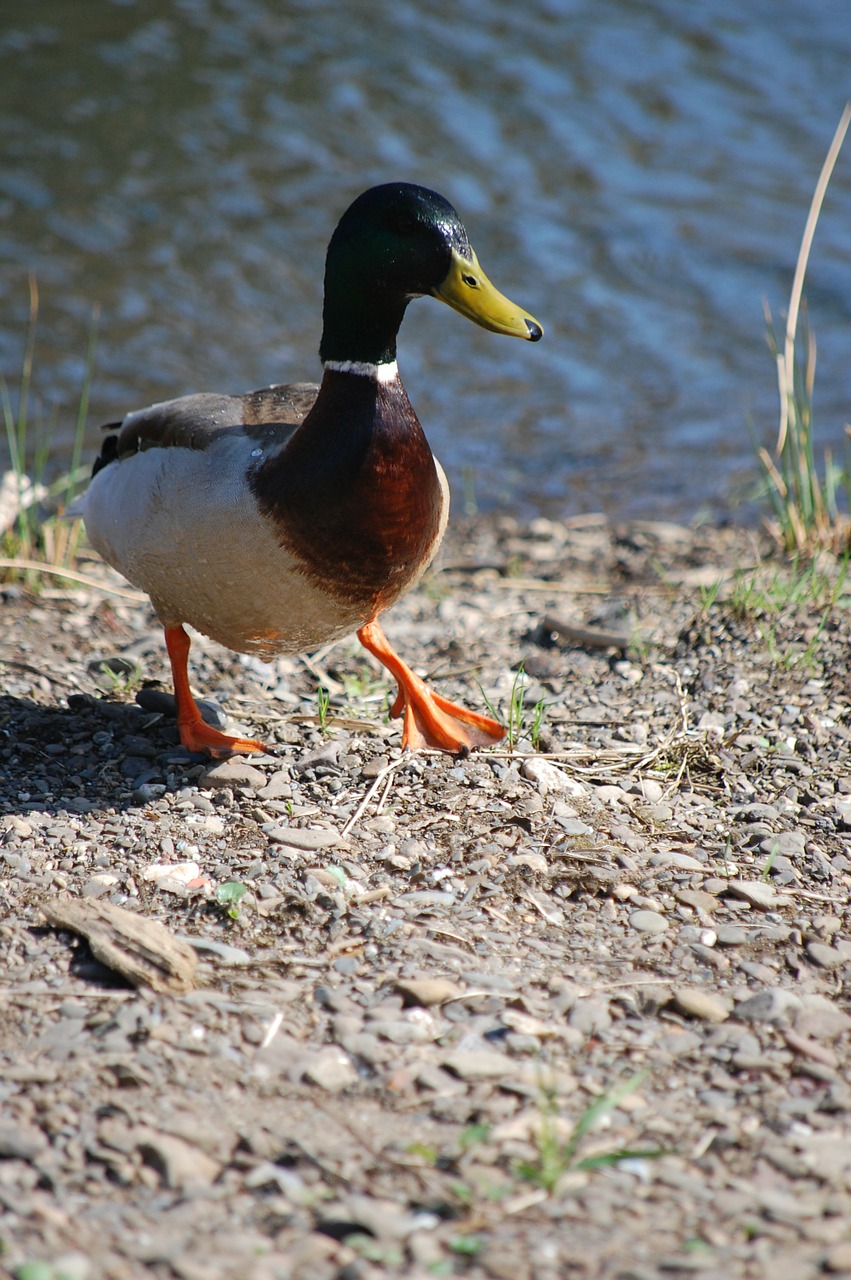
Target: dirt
(573, 1008)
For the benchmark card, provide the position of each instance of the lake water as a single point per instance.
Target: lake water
(636, 175)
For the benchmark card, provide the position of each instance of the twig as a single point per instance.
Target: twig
(801, 271)
(37, 566)
(587, 637)
(386, 772)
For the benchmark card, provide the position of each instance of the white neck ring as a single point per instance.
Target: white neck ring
(387, 372)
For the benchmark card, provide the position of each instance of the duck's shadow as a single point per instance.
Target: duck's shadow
(89, 756)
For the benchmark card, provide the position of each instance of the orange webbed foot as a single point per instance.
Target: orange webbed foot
(195, 733)
(429, 720)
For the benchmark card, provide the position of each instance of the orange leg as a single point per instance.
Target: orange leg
(195, 733)
(430, 721)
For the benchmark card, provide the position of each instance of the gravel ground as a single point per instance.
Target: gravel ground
(577, 1009)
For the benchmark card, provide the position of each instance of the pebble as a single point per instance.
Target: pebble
(648, 922)
(181, 1165)
(403, 1031)
(842, 808)
(837, 1260)
(790, 844)
(179, 872)
(730, 935)
(21, 1142)
(820, 1019)
(773, 1005)
(428, 991)
(651, 790)
(477, 1064)
(682, 861)
(549, 779)
(309, 839)
(235, 773)
(331, 1069)
(704, 1005)
(759, 893)
(277, 787)
(590, 1016)
(824, 956)
(698, 899)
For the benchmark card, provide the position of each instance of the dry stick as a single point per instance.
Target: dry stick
(592, 637)
(38, 566)
(787, 386)
(387, 773)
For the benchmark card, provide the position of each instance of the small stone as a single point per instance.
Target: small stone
(21, 1142)
(758, 893)
(181, 1165)
(838, 1258)
(590, 1016)
(774, 1005)
(233, 773)
(651, 790)
(532, 861)
(826, 926)
(704, 1005)
(309, 839)
(278, 787)
(373, 768)
(790, 844)
(428, 991)
(820, 1019)
(148, 792)
(178, 872)
(682, 861)
(810, 1048)
(843, 813)
(477, 1064)
(331, 1069)
(549, 779)
(648, 922)
(756, 813)
(730, 935)
(407, 1030)
(824, 956)
(697, 899)
(70, 1266)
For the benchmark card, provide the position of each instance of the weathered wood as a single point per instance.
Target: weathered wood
(142, 951)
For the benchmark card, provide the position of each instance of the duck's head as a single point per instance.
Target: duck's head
(394, 243)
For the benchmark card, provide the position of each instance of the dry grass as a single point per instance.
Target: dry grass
(36, 538)
(807, 506)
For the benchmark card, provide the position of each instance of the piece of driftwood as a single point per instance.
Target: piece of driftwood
(586, 637)
(142, 951)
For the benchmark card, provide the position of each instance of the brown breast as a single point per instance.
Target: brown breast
(355, 494)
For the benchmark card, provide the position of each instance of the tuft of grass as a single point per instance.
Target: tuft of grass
(38, 535)
(806, 506)
(769, 863)
(764, 598)
(554, 1157)
(323, 703)
(519, 723)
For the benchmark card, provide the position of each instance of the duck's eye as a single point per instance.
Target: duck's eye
(406, 223)
(471, 281)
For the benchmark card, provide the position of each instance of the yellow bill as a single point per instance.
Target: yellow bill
(468, 290)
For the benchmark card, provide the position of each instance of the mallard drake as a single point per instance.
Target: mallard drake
(288, 517)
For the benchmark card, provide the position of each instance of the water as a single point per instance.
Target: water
(636, 175)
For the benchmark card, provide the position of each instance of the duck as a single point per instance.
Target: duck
(285, 518)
